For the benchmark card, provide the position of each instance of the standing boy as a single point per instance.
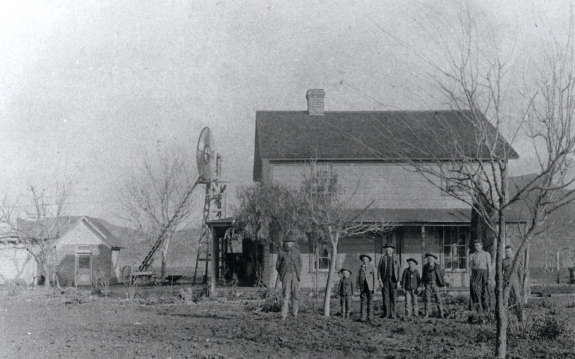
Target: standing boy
(366, 285)
(388, 275)
(346, 287)
(410, 281)
(432, 279)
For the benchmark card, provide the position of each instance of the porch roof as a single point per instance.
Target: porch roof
(407, 216)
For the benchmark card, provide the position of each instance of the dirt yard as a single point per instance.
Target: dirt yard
(164, 322)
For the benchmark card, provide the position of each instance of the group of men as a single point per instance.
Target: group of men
(387, 276)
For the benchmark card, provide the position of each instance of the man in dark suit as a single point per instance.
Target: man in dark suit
(432, 279)
(289, 271)
(366, 285)
(388, 276)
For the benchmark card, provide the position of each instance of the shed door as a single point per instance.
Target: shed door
(83, 269)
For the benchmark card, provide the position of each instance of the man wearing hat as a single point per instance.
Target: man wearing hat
(480, 263)
(366, 285)
(388, 276)
(345, 291)
(410, 281)
(289, 270)
(432, 279)
(513, 280)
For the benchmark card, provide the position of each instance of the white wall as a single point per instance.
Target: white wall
(16, 264)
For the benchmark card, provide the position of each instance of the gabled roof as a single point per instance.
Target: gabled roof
(55, 228)
(372, 135)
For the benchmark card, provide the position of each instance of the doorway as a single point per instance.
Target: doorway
(83, 269)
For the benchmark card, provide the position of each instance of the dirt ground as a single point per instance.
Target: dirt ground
(166, 322)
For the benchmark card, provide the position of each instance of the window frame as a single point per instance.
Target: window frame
(453, 240)
(322, 259)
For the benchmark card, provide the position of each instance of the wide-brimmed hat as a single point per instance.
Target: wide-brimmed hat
(344, 269)
(364, 255)
(431, 255)
(388, 246)
(412, 260)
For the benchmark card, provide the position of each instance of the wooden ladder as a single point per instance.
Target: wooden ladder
(203, 254)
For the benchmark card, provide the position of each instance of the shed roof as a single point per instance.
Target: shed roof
(375, 135)
(54, 228)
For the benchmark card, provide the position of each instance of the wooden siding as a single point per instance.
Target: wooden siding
(391, 186)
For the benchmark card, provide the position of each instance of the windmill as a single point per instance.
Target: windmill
(209, 172)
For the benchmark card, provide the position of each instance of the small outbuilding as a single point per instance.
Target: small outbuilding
(83, 250)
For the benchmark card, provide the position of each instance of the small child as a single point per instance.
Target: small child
(432, 279)
(410, 281)
(345, 291)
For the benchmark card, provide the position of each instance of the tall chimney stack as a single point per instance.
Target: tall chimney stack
(315, 106)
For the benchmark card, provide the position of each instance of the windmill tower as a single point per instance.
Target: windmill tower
(209, 172)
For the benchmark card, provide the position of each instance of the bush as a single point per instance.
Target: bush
(549, 328)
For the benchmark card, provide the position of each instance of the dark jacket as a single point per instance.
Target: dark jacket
(440, 281)
(382, 269)
(368, 276)
(410, 279)
(507, 264)
(346, 286)
(284, 259)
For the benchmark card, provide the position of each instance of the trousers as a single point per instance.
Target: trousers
(345, 301)
(411, 302)
(366, 303)
(290, 291)
(389, 294)
(479, 290)
(432, 289)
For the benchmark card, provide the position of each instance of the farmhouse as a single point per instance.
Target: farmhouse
(352, 146)
(82, 250)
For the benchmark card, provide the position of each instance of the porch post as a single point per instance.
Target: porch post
(422, 243)
(214, 259)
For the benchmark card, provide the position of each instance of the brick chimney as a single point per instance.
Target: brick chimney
(315, 105)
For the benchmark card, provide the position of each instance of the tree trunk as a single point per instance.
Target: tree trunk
(329, 286)
(316, 268)
(47, 276)
(525, 285)
(163, 268)
(558, 264)
(165, 256)
(501, 305)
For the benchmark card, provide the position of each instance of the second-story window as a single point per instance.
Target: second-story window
(323, 178)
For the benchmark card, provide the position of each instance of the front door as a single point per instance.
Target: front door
(83, 269)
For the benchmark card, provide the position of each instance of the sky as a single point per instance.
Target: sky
(88, 89)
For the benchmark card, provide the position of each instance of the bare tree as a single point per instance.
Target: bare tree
(334, 215)
(35, 221)
(475, 78)
(158, 200)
